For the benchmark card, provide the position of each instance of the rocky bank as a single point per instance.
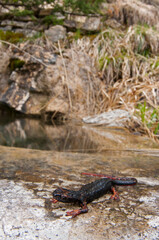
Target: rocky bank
(58, 76)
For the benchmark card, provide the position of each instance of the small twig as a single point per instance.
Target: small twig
(66, 76)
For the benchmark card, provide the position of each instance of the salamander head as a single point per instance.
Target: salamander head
(62, 195)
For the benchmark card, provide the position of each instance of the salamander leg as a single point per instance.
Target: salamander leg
(76, 212)
(53, 200)
(115, 195)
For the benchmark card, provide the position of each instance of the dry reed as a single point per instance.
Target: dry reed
(128, 66)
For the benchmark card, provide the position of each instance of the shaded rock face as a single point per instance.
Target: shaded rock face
(15, 97)
(27, 88)
(46, 82)
(24, 83)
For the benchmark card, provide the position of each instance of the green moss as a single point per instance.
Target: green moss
(11, 37)
(78, 34)
(52, 20)
(35, 36)
(22, 13)
(16, 63)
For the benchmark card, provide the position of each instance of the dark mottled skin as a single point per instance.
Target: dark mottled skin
(89, 192)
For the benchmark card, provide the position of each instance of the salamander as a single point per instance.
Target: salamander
(89, 192)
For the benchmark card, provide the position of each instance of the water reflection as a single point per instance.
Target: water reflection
(34, 134)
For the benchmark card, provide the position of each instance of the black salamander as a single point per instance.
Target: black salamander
(91, 191)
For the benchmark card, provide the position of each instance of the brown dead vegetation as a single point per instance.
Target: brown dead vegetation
(128, 65)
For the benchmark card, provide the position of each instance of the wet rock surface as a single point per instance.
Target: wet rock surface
(25, 216)
(28, 178)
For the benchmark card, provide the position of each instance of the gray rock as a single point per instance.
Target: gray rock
(6, 28)
(26, 32)
(92, 24)
(13, 23)
(114, 118)
(55, 33)
(71, 24)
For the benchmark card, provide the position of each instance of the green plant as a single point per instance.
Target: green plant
(77, 34)
(104, 61)
(84, 6)
(143, 48)
(156, 129)
(157, 64)
(22, 13)
(16, 63)
(52, 20)
(35, 36)
(149, 116)
(142, 111)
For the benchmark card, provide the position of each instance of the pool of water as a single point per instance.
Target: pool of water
(34, 134)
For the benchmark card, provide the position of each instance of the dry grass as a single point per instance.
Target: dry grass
(131, 12)
(128, 66)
